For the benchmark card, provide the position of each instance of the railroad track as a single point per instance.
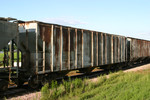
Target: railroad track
(15, 91)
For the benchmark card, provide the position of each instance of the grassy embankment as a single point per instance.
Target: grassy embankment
(120, 86)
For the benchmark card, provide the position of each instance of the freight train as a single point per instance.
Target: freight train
(47, 51)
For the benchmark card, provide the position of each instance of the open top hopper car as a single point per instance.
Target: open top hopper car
(49, 51)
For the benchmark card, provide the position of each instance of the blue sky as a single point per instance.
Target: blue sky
(122, 17)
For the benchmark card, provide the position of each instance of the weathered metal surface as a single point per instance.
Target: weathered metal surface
(100, 49)
(139, 49)
(71, 48)
(44, 57)
(17, 52)
(148, 49)
(37, 60)
(87, 49)
(56, 48)
(76, 50)
(108, 49)
(95, 49)
(65, 50)
(7, 19)
(82, 48)
(105, 49)
(92, 58)
(79, 49)
(112, 49)
(61, 47)
(8, 31)
(118, 49)
(10, 49)
(68, 48)
(51, 49)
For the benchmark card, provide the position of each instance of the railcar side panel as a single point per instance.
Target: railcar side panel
(70, 48)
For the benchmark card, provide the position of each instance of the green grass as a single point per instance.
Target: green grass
(15, 57)
(120, 86)
(1, 56)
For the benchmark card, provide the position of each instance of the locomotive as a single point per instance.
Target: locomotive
(46, 51)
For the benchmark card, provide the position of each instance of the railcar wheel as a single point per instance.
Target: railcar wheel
(33, 82)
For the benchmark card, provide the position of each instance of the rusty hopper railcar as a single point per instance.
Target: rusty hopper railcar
(51, 48)
(50, 51)
(138, 50)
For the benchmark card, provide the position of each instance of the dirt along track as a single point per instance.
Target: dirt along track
(26, 94)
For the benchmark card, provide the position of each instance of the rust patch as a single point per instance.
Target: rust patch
(45, 33)
(79, 48)
(65, 40)
(22, 24)
(147, 48)
(27, 24)
(65, 47)
(139, 43)
(57, 42)
(140, 49)
(72, 35)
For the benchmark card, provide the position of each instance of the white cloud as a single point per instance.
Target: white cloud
(146, 33)
(64, 21)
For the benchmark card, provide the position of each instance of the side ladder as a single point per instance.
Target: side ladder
(37, 55)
